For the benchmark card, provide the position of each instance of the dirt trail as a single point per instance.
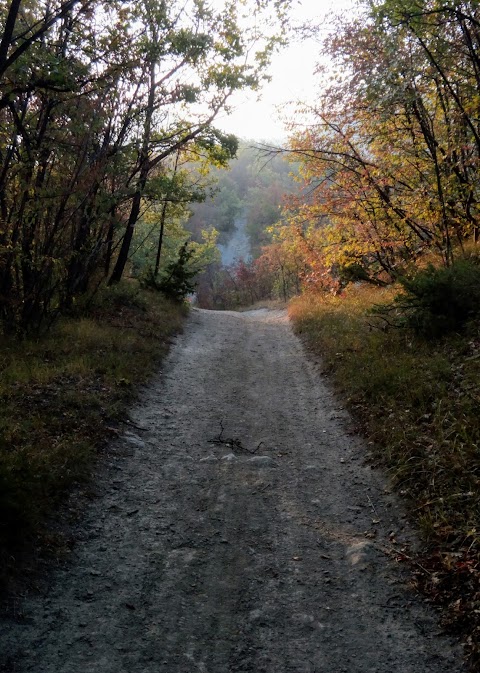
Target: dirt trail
(200, 557)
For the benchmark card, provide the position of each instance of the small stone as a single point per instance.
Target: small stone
(208, 459)
(262, 461)
(132, 439)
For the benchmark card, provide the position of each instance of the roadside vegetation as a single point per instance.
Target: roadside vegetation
(63, 396)
(416, 399)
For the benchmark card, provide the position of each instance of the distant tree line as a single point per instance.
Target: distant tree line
(254, 186)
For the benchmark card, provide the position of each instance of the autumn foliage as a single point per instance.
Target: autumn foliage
(389, 154)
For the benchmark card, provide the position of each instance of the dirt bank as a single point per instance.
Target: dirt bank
(262, 555)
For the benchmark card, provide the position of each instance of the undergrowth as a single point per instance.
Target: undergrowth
(60, 396)
(418, 402)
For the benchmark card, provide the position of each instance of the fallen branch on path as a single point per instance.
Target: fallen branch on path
(231, 442)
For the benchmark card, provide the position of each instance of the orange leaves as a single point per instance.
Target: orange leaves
(392, 156)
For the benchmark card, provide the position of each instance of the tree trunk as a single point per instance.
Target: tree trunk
(160, 238)
(145, 167)
(122, 258)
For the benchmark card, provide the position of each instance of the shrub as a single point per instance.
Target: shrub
(177, 280)
(436, 301)
(441, 300)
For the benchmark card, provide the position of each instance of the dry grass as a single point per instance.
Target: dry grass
(60, 397)
(418, 403)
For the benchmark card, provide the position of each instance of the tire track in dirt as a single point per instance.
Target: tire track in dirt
(199, 556)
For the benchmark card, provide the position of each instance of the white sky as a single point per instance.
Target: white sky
(292, 78)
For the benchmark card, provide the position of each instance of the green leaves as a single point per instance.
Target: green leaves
(187, 43)
(97, 102)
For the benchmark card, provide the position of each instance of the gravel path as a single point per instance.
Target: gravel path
(263, 556)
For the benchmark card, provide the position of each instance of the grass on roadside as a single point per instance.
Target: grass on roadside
(418, 403)
(60, 395)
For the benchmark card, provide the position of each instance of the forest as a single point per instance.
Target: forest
(102, 105)
(110, 154)
(117, 188)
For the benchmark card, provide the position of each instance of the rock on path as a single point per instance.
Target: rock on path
(256, 556)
